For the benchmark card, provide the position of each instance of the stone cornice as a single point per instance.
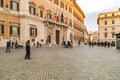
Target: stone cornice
(8, 13)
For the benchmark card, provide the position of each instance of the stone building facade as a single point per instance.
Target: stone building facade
(109, 25)
(93, 36)
(35, 20)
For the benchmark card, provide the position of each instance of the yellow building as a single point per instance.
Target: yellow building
(36, 20)
(109, 25)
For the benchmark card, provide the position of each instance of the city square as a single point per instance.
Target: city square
(58, 63)
(59, 40)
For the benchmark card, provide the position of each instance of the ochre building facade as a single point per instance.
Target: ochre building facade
(36, 20)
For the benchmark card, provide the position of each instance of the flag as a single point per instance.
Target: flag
(62, 17)
(57, 14)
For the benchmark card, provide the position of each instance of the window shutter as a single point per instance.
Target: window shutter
(2, 28)
(18, 30)
(10, 30)
(17, 6)
(36, 32)
(34, 11)
(30, 31)
(11, 4)
(30, 9)
(1, 3)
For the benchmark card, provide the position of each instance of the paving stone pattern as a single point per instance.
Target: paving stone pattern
(58, 63)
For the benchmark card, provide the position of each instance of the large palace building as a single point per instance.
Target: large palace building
(109, 25)
(52, 21)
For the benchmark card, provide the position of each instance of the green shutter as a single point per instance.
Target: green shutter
(1, 3)
(30, 31)
(10, 30)
(2, 28)
(11, 4)
(18, 30)
(35, 32)
(17, 6)
(34, 11)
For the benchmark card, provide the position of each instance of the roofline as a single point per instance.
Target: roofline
(80, 9)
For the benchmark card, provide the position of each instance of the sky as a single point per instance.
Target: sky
(92, 8)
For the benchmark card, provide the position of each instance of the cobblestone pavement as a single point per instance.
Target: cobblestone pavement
(58, 63)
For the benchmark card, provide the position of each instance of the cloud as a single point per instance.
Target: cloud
(97, 5)
(92, 8)
(91, 18)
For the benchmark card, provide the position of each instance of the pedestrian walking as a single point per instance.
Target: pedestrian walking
(8, 46)
(13, 44)
(27, 56)
(40, 44)
(79, 43)
(108, 44)
(64, 44)
(37, 44)
(16, 44)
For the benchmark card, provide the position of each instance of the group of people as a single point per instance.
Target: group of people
(15, 45)
(11, 45)
(102, 44)
(39, 44)
(67, 44)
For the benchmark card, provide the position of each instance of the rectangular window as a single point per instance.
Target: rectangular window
(33, 32)
(62, 5)
(56, 2)
(14, 31)
(70, 9)
(65, 7)
(105, 35)
(113, 35)
(1, 3)
(41, 13)
(112, 21)
(105, 22)
(49, 16)
(14, 5)
(32, 10)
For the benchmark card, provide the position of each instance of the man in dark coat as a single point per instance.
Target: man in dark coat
(8, 46)
(27, 50)
(37, 44)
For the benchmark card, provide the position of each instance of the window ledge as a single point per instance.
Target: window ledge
(1, 8)
(14, 12)
(14, 35)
